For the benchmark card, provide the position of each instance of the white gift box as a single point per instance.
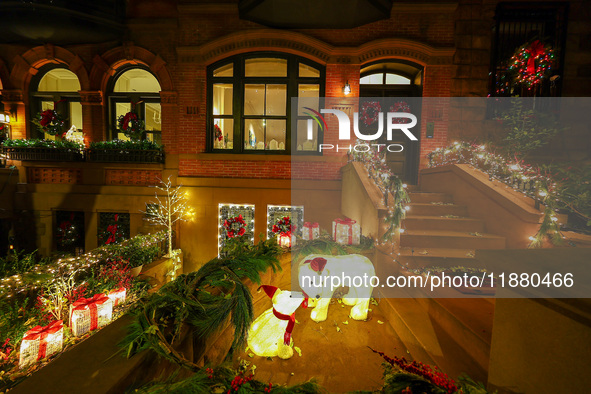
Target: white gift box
(346, 232)
(118, 296)
(41, 342)
(286, 240)
(311, 231)
(88, 314)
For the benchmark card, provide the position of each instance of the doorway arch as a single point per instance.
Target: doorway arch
(400, 83)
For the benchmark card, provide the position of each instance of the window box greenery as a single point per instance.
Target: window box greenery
(45, 150)
(144, 151)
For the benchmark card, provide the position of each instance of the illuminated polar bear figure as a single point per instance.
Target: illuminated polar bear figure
(270, 333)
(320, 275)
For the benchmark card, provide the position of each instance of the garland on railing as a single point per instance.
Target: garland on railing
(204, 300)
(388, 183)
(524, 178)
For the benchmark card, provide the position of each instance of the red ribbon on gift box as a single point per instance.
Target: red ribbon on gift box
(90, 304)
(310, 227)
(345, 222)
(117, 295)
(41, 334)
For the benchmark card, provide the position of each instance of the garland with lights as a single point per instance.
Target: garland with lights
(531, 63)
(389, 184)
(522, 177)
(50, 122)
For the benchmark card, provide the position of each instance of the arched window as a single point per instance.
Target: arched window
(384, 79)
(249, 103)
(136, 89)
(56, 88)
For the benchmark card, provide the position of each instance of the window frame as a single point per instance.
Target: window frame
(128, 97)
(36, 98)
(239, 82)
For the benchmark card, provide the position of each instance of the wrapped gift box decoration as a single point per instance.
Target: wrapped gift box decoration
(311, 231)
(285, 240)
(88, 314)
(346, 231)
(118, 296)
(40, 342)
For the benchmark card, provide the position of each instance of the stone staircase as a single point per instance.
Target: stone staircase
(455, 332)
(438, 232)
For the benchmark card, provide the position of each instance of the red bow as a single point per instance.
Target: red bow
(90, 304)
(535, 49)
(41, 334)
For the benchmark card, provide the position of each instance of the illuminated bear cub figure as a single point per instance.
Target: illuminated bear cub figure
(270, 333)
(320, 275)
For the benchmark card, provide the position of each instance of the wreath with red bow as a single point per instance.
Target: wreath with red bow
(283, 227)
(67, 232)
(113, 233)
(235, 227)
(131, 125)
(370, 111)
(532, 62)
(50, 122)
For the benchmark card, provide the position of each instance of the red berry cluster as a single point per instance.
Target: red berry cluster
(269, 388)
(415, 367)
(238, 381)
(209, 373)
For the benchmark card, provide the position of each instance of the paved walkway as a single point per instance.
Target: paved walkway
(339, 359)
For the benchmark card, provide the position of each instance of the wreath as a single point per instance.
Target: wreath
(67, 233)
(400, 106)
(235, 227)
(532, 62)
(370, 111)
(283, 227)
(113, 233)
(50, 122)
(131, 125)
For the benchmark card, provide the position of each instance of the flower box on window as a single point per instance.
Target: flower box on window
(118, 151)
(42, 154)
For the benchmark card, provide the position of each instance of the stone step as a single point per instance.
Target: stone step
(450, 239)
(413, 222)
(435, 257)
(425, 198)
(424, 209)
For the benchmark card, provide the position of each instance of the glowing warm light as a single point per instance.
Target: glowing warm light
(270, 333)
(346, 231)
(41, 342)
(322, 269)
(88, 314)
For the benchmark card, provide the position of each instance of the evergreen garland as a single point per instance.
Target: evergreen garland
(203, 300)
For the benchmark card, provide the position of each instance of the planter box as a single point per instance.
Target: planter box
(125, 156)
(42, 154)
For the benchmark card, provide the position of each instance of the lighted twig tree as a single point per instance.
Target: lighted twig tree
(169, 208)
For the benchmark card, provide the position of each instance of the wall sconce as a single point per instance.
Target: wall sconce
(347, 88)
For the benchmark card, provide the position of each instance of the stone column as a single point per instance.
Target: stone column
(93, 121)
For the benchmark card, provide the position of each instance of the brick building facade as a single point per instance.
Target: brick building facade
(449, 42)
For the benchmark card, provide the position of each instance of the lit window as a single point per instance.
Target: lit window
(249, 102)
(138, 90)
(56, 88)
